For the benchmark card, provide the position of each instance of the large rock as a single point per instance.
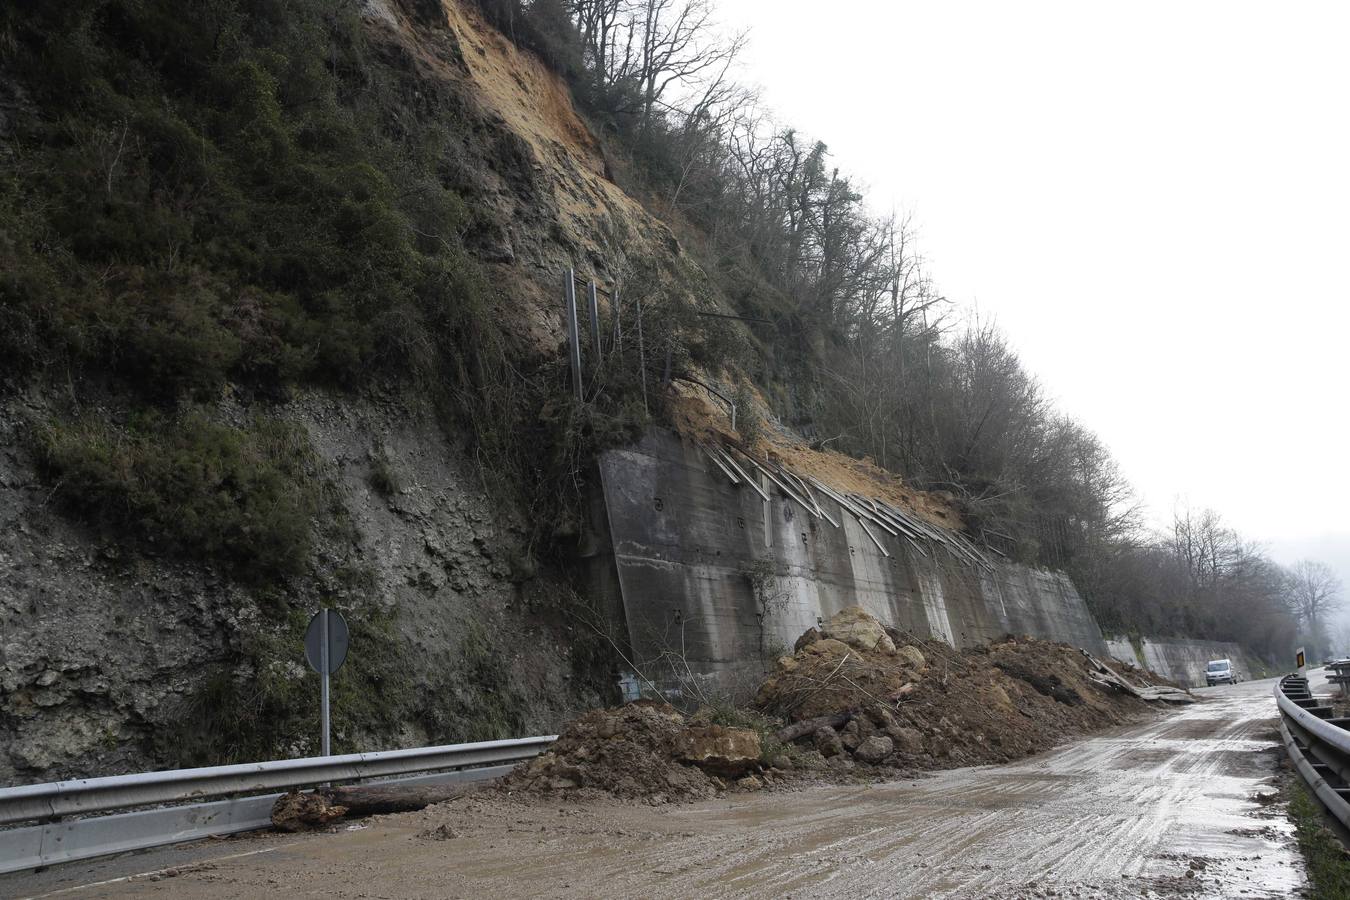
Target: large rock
(827, 647)
(874, 749)
(729, 752)
(827, 742)
(809, 637)
(912, 655)
(854, 626)
(850, 736)
(907, 740)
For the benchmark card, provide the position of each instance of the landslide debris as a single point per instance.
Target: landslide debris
(883, 697)
(854, 697)
(644, 750)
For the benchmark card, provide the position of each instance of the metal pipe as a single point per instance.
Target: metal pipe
(642, 358)
(573, 334)
(324, 743)
(593, 307)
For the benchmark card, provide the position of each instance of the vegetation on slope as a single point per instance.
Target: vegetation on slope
(1327, 859)
(253, 197)
(235, 203)
(856, 344)
(187, 193)
(242, 497)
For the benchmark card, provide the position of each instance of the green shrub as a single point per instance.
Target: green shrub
(241, 498)
(266, 705)
(241, 194)
(476, 701)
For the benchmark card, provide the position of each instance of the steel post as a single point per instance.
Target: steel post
(593, 307)
(325, 746)
(573, 335)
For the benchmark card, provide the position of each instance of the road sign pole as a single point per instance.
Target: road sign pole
(323, 677)
(326, 641)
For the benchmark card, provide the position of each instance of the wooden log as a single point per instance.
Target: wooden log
(378, 799)
(302, 811)
(810, 726)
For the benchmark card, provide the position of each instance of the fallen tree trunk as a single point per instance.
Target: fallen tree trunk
(297, 811)
(378, 799)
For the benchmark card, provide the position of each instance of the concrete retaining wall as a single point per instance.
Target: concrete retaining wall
(715, 578)
(1180, 659)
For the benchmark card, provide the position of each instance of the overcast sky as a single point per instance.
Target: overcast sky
(1152, 199)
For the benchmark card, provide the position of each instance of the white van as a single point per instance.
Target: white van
(1219, 671)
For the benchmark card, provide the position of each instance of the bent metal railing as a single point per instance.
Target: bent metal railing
(70, 821)
(1318, 743)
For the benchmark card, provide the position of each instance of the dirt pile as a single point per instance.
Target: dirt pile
(643, 750)
(853, 695)
(914, 703)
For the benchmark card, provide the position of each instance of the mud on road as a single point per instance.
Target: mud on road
(1170, 808)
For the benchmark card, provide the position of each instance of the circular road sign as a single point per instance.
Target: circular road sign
(337, 641)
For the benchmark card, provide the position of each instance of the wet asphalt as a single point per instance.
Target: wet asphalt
(1177, 806)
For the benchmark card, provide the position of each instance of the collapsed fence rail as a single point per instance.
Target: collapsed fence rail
(69, 826)
(1318, 743)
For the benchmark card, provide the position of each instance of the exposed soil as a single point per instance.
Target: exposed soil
(649, 751)
(695, 416)
(939, 707)
(856, 701)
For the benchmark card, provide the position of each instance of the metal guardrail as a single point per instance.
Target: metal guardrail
(66, 831)
(1318, 743)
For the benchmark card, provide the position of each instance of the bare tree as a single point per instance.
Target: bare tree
(1314, 591)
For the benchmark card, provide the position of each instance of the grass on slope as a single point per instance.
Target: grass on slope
(1328, 862)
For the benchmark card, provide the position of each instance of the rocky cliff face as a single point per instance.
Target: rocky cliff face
(116, 658)
(112, 661)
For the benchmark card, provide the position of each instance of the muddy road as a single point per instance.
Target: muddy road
(1128, 813)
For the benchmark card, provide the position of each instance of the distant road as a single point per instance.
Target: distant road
(1119, 815)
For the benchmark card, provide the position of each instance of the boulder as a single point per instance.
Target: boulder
(907, 740)
(882, 717)
(873, 750)
(729, 752)
(809, 637)
(851, 736)
(853, 625)
(781, 761)
(828, 647)
(827, 742)
(912, 655)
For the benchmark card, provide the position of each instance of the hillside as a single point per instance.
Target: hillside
(280, 327)
(281, 330)
(191, 464)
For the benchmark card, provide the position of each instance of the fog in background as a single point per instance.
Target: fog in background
(1152, 199)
